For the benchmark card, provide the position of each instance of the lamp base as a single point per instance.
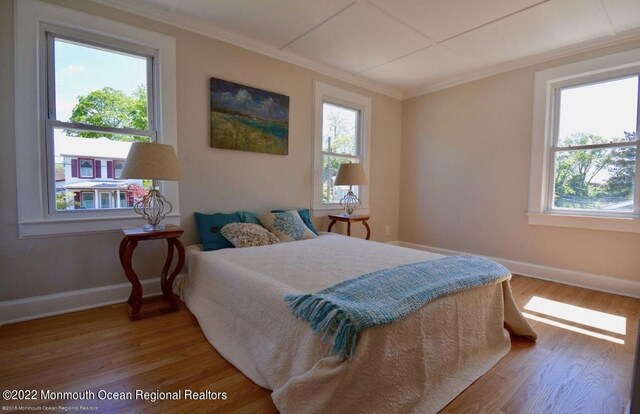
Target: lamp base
(151, 227)
(153, 208)
(350, 203)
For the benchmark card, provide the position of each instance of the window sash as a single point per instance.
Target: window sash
(52, 32)
(358, 137)
(554, 148)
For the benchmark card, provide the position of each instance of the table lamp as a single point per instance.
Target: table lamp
(351, 174)
(152, 161)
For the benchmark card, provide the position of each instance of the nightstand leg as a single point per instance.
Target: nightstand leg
(349, 228)
(135, 299)
(368, 229)
(167, 282)
(331, 225)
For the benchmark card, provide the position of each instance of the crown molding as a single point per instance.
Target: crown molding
(247, 43)
(587, 46)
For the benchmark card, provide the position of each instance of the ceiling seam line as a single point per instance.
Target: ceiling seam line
(606, 14)
(393, 60)
(318, 25)
(494, 21)
(405, 24)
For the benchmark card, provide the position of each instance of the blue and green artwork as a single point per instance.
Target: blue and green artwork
(248, 119)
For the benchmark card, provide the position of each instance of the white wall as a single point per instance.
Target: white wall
(465, 177)
(215, 180)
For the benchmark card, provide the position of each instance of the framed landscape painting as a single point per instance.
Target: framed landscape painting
(248, 119)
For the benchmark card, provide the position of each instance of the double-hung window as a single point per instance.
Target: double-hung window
(341, 136)
(99, 101)
(86, 89)
(585, 165)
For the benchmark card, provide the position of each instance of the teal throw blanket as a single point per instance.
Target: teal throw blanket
(348, 307)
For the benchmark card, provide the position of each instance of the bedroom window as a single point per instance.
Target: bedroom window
(341, 136)
(100, 100)
(586, 147)
(86, 88)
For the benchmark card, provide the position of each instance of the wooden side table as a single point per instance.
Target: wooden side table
(350, 219)
(128, 244)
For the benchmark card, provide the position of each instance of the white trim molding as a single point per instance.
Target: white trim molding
(31, 16)
(585, 280)
(546, 83)
(36, 307)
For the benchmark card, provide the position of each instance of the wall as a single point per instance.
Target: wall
(465, 179)
(215, 180)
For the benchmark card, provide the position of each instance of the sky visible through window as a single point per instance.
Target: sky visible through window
(81, 69)
(607, 109)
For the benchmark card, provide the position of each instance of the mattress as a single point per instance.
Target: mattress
(416, 364)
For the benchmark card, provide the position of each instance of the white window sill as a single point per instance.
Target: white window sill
(622, 224)
(336, 209)
(61, 226)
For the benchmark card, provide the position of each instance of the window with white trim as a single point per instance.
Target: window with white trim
(99, 101)
(585, 166)
(342, 121)
(86, 87)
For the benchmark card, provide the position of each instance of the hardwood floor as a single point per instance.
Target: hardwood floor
(99, 349)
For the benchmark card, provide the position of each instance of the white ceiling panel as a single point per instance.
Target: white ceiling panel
(275, 22)
(625, 14)
(429, 66)
(549, 26)
(442, 19)
(358, 39)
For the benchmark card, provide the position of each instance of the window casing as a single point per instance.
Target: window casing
(568, 144)
(342, 134)
(36, 123)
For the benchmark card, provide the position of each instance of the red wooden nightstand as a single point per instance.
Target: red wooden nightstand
(350, 219)
(128, 244)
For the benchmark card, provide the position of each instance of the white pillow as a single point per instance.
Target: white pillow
(248, 235)
(287, 226)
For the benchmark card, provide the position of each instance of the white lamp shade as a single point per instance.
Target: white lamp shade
(152, 161)
(351, 174)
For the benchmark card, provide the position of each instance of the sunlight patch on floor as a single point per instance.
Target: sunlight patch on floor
(579, 315)
(573, 328)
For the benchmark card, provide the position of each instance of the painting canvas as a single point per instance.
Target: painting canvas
(248, 119)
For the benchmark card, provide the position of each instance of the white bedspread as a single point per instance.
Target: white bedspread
(417, 364)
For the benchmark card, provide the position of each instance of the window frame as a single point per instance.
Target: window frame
(52, 32)
(33, 141)
(547, 85)
(93, 166)
(324, 93)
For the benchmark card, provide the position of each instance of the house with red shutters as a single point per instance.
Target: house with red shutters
(87, 180)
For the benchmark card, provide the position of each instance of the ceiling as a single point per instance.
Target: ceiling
(404, 47)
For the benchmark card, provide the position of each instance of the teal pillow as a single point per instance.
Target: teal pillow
(249, 217)
(305, 215)
(209, 226)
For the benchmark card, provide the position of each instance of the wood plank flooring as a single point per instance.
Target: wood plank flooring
(99, 349)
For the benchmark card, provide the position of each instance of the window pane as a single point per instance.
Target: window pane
(330, 192)
(598, 113)
(339, 130)
(85, 165)
(87, 200)
(598, 179)
(99, 87)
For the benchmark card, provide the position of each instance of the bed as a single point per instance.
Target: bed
(416, 364)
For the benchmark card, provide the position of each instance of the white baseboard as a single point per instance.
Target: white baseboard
(18, 310)
(592, 281)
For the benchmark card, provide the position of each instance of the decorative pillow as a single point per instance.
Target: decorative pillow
(249, 217)
(286, 225)
(209, 226)
(305, 215)
(248, 234)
